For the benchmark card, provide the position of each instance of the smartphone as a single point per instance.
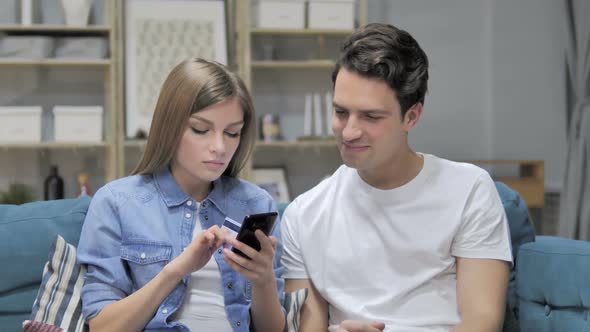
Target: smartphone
(261, 221)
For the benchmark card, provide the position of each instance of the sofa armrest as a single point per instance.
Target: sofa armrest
(552, 285)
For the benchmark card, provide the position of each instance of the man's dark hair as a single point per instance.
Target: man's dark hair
(385, 52)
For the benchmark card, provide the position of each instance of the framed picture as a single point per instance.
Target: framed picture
(159, 34)
(273, 180)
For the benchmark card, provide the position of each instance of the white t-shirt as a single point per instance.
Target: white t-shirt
(389, 255)
(203, 307)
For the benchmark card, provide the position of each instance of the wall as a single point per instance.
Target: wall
(497, 87)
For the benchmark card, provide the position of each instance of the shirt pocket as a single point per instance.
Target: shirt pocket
(145, 259)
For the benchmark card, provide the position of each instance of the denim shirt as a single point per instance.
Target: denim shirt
(136, 225)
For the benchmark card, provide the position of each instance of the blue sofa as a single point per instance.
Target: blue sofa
(549, 289)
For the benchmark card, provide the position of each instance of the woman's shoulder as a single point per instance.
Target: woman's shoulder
(242, 190)
(129, 185)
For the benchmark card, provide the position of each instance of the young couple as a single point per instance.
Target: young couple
(394, 240)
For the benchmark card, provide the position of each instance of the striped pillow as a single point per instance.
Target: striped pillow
(293, 303)
(58, 301)
(32, 326)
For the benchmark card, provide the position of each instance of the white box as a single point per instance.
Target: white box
(20, 124)
(277, 14)
(334, 14)
(78, 123)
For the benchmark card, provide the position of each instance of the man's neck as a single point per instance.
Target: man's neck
(396, 173)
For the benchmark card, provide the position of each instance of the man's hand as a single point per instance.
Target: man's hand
(356, 326)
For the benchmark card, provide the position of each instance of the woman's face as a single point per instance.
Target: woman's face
(208, 144)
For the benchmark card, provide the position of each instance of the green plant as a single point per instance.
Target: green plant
(18, 193)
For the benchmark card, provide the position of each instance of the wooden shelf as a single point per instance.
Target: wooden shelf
(310, 64)
(50, 29)
(54, 145)
(135, 143)
(300, 32)
(55, 62)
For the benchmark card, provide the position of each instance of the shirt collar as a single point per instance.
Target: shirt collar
(173, 195)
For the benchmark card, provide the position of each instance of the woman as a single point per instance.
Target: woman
(152, 241)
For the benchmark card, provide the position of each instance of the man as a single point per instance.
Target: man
(394, 240)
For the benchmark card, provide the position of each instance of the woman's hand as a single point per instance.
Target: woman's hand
(259, 268)
(198, 253)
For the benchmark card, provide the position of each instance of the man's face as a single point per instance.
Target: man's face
(367, 123)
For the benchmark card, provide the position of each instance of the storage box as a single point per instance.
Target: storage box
(280, 14)
(26, 47)
(20, 124)
(81, 48)
(10, 13)
(331, 14)
(78, 123)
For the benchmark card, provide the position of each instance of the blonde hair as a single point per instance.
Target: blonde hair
(190, 87)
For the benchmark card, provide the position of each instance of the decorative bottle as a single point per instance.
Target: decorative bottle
(53, 187)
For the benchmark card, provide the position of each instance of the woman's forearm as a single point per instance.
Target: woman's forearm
(267, 314)
(134, 312)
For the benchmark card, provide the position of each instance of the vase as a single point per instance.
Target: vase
(76, 12)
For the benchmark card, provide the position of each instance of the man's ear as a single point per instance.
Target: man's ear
(412, 116)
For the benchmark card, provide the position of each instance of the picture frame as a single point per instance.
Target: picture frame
(159, 34)
(274, 181)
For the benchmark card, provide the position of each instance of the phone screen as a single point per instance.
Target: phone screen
(261, 221)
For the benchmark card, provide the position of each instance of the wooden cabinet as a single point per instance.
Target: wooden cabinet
(66, 76)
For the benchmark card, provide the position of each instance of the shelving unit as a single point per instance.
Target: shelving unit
(107, 69)
(53, 145)
(46, 28)
(299, 32)
(54, 62)
(251, 68)
(305, 64)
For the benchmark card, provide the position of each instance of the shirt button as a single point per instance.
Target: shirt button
(142, 255)
(204, 204)
(206, 217)
(189, 203)
(219, 251)
(188, 215)
(165, 311)
(230, 285)
(238, 323)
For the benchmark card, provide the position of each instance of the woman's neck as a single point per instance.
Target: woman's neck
(198, 190)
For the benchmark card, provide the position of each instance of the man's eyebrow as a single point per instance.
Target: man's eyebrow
(378, 111)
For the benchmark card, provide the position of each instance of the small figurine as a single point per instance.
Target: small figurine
(84, 183)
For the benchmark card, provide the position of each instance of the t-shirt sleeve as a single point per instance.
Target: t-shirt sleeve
(484, 231)
(292, 260)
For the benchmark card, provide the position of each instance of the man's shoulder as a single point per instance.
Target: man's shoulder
(456, 171)
(325, 189)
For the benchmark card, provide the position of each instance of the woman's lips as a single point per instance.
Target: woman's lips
(214, 165)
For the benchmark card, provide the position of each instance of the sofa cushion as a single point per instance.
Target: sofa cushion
(521, 228)
(552, 285)
(58, 301)
(26, 234)
(293, 304)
